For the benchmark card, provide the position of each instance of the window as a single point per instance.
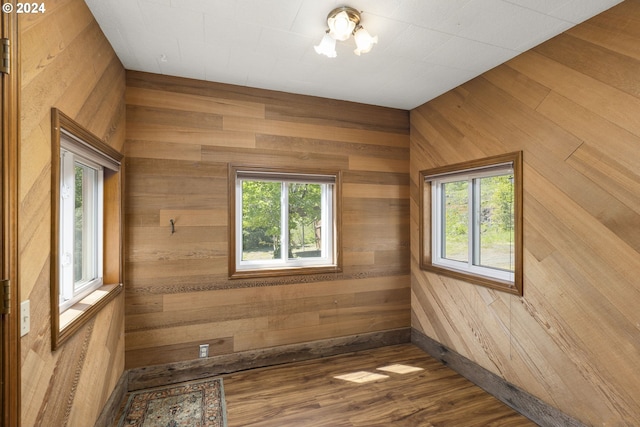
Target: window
(81, 186)
(86, 238)
(283, 222)
(471, 221)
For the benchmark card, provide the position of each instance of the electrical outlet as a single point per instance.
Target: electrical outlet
(204, 350)
(25, 317)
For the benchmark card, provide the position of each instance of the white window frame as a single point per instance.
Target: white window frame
(72, 290)
(472, 265)
(329, 215)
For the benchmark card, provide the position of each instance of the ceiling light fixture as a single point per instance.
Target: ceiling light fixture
(343, 22)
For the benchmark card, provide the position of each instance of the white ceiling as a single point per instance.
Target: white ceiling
(425, 48)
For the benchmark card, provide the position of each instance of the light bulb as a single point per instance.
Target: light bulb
(340, 26)
(327, 46)
(364, 41)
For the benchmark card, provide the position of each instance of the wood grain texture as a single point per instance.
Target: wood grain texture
(10, 376)
(181, 136)
(115, 404)
(572, 105)
(533, 408)
(171, 373)
(67, 63)
(305, 392)
(309, 394)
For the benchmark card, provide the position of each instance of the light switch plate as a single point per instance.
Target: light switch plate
(25, 317)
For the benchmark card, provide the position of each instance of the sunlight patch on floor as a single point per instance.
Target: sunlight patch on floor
(361, 377)
(400, 369)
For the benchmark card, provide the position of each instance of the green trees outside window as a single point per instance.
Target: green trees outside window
(492, 202)
(262, 219)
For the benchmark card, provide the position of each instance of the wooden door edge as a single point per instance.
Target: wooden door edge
(10, 157)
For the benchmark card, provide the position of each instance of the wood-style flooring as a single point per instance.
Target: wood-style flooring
(308, 394)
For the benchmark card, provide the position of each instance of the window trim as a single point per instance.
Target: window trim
(65, 324)
(427, 244)
(280, 174)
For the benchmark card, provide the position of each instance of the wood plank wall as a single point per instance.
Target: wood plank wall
(66, 63)
(573, 106)
(181, 136)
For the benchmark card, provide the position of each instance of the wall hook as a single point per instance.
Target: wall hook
(173, 226)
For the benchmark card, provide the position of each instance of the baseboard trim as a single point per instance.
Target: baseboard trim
(112, 407)
(526, 404)
(171, 373)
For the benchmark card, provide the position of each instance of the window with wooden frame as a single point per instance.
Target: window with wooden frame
(471, 221)
(86, 226)
(283, 222)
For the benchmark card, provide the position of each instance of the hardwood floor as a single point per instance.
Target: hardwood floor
(307, 394)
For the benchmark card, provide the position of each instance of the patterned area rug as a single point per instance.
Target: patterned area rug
(193, 404)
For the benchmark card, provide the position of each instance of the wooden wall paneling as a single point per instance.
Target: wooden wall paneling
(430, 312)
(594, 61)
(178, 291)
(162, 355)
(253, 310)
(66, 63)
(167, 150)
(618, 33)
(153, 376)
(518, 86)
(571, 104)
(49, 83)
(592, 129)
(603, 247)
(65, 383)
(572, 369)
(192, 241)
(109, 340)
(274, 158)
(175, 100)
(536, 410)
(291, 107)
(338, 147)
(303, 130)
(380, 165)
(571, 84)
(112, 408)
(611, 175)
(71, 20)
(179, 134)
(187, 119)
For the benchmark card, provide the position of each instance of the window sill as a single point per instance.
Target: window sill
(514, 288)
(292, 271)
(79, 314)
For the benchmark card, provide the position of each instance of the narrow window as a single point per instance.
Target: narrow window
(473, 215)
(81, 207)
(86, 226)
(284, 222)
